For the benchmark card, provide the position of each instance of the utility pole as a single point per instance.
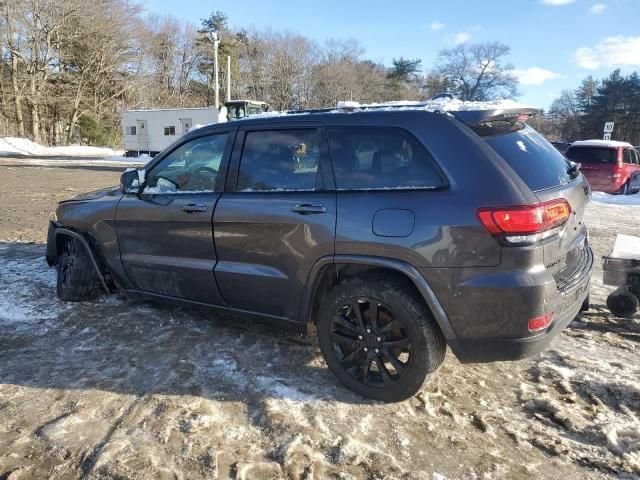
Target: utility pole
(228, 78)
(216, 82)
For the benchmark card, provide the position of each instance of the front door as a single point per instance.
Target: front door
(276, 219)
(165, 233)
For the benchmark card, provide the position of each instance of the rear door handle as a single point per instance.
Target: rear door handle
(308, 209)
(193, 208)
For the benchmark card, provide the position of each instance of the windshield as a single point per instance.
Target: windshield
(235, 111)
(597, 155)
(534, 159)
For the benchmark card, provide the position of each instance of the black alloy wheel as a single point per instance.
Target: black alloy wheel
(371, 343)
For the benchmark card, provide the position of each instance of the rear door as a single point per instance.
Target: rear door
(165, 233)
(547, 173)
(276, 219)
(598, 164)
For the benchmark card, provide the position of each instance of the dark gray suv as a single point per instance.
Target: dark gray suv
(389, 232)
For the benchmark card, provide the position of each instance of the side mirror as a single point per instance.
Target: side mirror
(131, 181)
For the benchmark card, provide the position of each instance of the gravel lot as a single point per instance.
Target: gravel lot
(111, 389)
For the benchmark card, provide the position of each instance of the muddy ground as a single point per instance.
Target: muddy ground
(110, 389)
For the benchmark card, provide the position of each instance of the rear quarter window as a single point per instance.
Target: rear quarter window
(380, 158)
(530, 155)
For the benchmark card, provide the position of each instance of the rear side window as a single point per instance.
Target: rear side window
(279, 160)
(597, 155)
(534, 159)
(373, 158)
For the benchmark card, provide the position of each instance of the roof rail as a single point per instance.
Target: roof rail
(468, 112)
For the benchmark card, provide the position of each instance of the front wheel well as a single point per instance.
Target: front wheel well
(62, 235)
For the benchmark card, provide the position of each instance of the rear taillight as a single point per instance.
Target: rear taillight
(617, 167)
(526, 223)
(540, 323)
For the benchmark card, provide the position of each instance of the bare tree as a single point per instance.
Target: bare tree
(97, 52)
(478, 71)
(289, 57)
(565, 114)
(11, 42)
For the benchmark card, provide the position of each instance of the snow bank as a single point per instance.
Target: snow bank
(601, 197)
(23, 146)
(140, 160)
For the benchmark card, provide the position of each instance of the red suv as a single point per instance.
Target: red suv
(610, 166)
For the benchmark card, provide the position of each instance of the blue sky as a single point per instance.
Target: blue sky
(555, 43)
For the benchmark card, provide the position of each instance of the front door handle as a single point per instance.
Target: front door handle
(308, 209)
(193, 208)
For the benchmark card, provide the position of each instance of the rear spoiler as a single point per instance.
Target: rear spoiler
(471, 117)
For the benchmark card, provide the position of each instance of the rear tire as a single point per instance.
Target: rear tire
(77, 279)
(623, 303)
(378, 338)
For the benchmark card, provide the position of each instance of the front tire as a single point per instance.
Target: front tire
(77, 279)
(378, 338)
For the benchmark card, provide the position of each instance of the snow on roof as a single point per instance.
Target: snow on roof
(144, 110)
(600, 143)
(438, 105)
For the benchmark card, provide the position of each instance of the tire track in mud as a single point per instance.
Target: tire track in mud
(215, 396)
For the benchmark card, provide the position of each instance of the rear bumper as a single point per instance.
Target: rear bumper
(483, 350)
(490, 312)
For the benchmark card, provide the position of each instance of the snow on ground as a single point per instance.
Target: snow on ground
(602, 197)
(118, 389)
(21, 146)
(116, 161)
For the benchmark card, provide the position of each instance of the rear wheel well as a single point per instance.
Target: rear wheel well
(332, 275)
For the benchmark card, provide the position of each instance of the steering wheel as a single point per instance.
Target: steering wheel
(202, 179)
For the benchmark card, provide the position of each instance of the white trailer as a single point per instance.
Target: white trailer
(151, 131)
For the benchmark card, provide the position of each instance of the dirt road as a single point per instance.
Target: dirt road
(110, 389)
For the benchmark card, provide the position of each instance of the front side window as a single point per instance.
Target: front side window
(373, 158)
(131, 130)
(170, 130)
(190, 168)
(279, 160)
(628, 156)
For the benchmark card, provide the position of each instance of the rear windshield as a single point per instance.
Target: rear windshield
(534, 159)
(598, 155)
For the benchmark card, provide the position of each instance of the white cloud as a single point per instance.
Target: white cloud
(535, 75)
(618, 51)
(462, 37)
(435, 26)
(597, 9)
(556, 3)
